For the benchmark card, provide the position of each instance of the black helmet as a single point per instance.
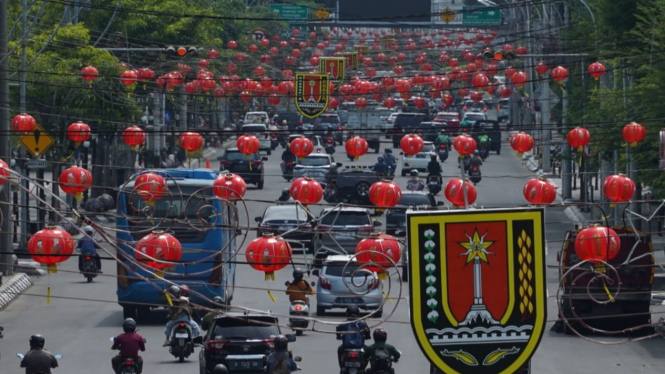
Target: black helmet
(442, 131)
(388, 150)
(413, 173)
(380, 335)
(352, 311)
(297, 275)
(174, 290)
(286, 191)
(220, 369)
(37, 341)
(380, 159)
(129, 325)
(281, 342)
(433, 157)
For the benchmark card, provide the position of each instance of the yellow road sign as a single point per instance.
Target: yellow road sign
(448, 15)
(322, 13)
(37, 141)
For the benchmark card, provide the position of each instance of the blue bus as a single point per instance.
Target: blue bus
(205, 245)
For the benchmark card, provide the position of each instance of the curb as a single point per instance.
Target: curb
(29, 267)
(13, 287)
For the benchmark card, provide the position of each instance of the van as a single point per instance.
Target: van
(261, 133)
(406, 123)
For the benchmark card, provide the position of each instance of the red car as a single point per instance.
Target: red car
(451, 118)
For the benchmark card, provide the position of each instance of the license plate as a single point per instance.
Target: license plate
(352, 364)
(184, 336)
(284, 228)
(351, 300)
(246, 365)
(344, 235)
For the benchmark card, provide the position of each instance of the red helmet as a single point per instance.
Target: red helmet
(380, 335)
(184, 291)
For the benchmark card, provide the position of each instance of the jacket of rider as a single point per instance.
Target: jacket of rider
(182, 317)
(129, 344)
(299, 291)
(275, 356)
(38, 361)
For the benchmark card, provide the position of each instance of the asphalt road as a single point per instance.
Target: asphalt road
(81, 317)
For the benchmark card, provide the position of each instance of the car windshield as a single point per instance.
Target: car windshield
(256, 117)
(237, 156)
(414, 199)
(429, 147)
(329, 119)
(255, 128)
(408, 121)
(240, 328)
(342, 218)
(315, 161)
(474, 117)
(289, 117)
(336, 268)
(446, 117)
(294, 214)
(177, 204)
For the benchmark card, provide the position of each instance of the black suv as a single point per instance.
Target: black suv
(240, 341)
(249, 167)
(406, 123)
(491, 129)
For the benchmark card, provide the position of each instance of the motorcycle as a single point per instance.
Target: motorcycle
(296, 359)
(297, 311)
(287, 170)
(128, 366)
(467, 163)
(484, 151)
(352, 361)
(181, 344)
(443, 152)
(474, 175)
(330, 145)
(274, 142)
(22, 356)
(415, 185)
(89, 268)
(434, 184)
(387, 368)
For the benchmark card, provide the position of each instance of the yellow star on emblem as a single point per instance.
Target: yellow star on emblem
(476, 247)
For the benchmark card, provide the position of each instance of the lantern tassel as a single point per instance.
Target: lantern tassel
(383, 276)
(601, 269)
(270, 276)
(150, 203)
(52, 269)
(387, 297)
(250, 166)
(579, 162)
(272, 297)
(519, 154)
(48, 296)
(633, 144)
(613, 205)
(159, 274)
(168, 298)
(78, 196)
(356, 158)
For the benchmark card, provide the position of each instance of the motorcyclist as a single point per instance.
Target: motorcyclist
(38, 360)
(433, 167)
(332, 173)
(299, 289)
(287, 155)
(182, 314)
(390, 159)
(129, 344)
(281, 357)
(380, 336)
(476, 161)
(88, 247)
(381, 167)
(285, 196)
(218, 312)
(352, 324)
(443, 138)
(414, 183)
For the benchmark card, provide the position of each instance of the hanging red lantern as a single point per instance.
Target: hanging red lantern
(239, 57)
(385, 194)
(253, 48)
(356, 147)
(633, 133)
(521, 50)
(133, 136)
(129, 78)
(259, 71)
(268, 254)
(51, 246)
(480, 81)
(578, 138)
(146, 75)
(519, 79)
(559, 74)
(248, 144)
(158, 250)
(504, 92)
(492, 69)
(507, 47)
(78, 132)
(378, 253)
(597, 243)
(419, 102)
(306, 191)
(464, 145)
(213, 54)
(191, 141)
(411, 144)
(150, 187)
(23, 123)
(229, 186)
(301, 147)
(361, 103)
(203, 64)
(618, 188)
(521, 142)
(4, 172)
(509, 72)
(454, 192)
(542, 68)
(89, 73)
(333, 103)
(596, 70)
(219, 93)
(448, 99)
(75, 181)
(476, 96)
(273, 99)
(389, 102)
(462, 92)
(232, 44)
(539, 191)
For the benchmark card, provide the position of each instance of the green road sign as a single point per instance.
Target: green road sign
(473, 16)
(290, 12)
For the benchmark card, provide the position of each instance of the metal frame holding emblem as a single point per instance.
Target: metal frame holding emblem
(335, 67)
(312, 94)
(478, 297)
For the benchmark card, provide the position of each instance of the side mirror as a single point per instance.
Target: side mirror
(20, 355)
(112, 339)
(439, 203)
(287, 283)
(313, 284)
(58, 356)
(290, 337)
(339, 164)
(264, 158)
(377, 223)
(198, 340)
(316, 272)
(258, 219)
(297, 359)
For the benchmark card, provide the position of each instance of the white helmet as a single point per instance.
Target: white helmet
(89, 230)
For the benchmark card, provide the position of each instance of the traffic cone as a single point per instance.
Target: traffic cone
(207, 163)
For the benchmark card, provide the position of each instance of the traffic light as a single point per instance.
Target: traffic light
(181, 51)
(497, 55)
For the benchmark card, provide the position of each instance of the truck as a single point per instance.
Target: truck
(367, 125)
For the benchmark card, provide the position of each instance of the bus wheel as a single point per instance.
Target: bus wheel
(128, 312)
(143, 313)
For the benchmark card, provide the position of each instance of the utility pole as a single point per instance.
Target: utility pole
(24, 195)
(6, 262)
(566, 162)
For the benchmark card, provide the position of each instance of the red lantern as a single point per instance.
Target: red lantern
(419, 102)
(158, 250)
(89, 73)
(389, 102)
(559, 74)
(378, 253)
(633, 133)
(51, 246)
(213, 54)
(268, 254)
(150, 187)
(75, 181)
(333, 103)
(356, 147)
(462, 92)
(519, 79)
(273, 99)
(597, 243)
(259, 71)
(464, 145)
(578, 138)
(361, 103)
(542, 68)
(539, 191)
(306, 191)
(78, 132)
(521, 142)
(504, 92)
(191, 141)
(146, 75)
(133, 136)
(521, 50)
(476, 96)
(509, 72)
(596, 70)
(232, 44)
(129, 77)
(454, 192)
(411, 144)
(4, 172)
(229, 186)
(448, 99)
(385, 194)
(480, 81)
(301, 147)
(23, 123)
(618, 188)
(248, 144)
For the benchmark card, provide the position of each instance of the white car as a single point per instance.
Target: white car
(257, 117)
(418, 161)
(261, 132)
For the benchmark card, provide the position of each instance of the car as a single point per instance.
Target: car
(388, 123)
(330, 121)
(503, 110)
(405, 123)
(469, 119)
(341, 284)
(249, 167)
(256, 117)
(418, 161)
(340, 229)
(471, 106)
(412, 200)
(285, 218)
(319, 147)
(350, 185)
(452, 119)
(240, 341)
(292, 120)
(261, 132)
(491, 129)
(315, 162)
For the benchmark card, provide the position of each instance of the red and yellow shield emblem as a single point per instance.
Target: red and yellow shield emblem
(312, 93)
(333, 66)
(478, 298)
(351, 60)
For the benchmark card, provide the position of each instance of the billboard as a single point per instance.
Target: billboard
(385, 11)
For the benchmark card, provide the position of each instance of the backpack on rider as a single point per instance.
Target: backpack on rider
(381, 360)
(353, 338)
(281, 366)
